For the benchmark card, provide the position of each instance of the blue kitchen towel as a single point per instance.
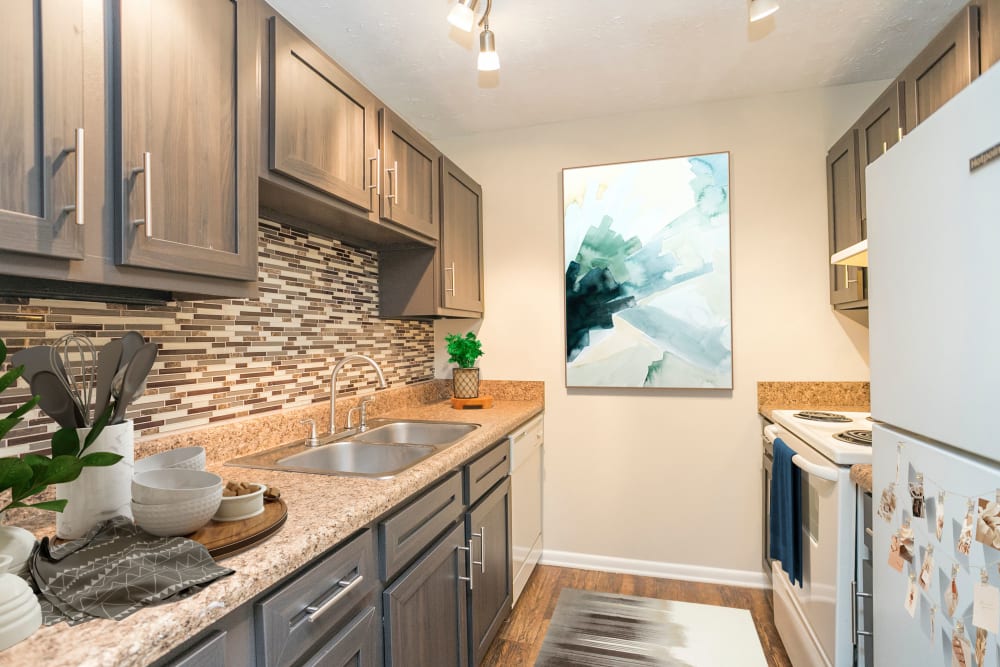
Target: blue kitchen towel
(786, 512)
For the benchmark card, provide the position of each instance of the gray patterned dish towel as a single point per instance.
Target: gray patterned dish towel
(117, 569)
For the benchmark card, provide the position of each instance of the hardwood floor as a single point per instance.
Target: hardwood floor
(520, 638)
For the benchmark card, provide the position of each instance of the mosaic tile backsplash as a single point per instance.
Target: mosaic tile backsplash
(229, 358)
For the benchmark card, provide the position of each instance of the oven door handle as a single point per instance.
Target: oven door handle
(822, 472)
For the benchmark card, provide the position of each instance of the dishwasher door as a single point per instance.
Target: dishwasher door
(526, 500)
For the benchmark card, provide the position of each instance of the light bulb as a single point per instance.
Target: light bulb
(761, 9)
(462, 15)
(489, 61)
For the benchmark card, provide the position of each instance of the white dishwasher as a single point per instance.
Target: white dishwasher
(526, 500)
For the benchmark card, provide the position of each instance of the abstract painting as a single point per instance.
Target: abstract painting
(648, 290)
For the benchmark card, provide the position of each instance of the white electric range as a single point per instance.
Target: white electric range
(815, 620)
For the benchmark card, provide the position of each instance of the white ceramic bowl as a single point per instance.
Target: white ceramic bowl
(237, 508)
(22, 614)
(173, 519)
(190, 458)
(174, 485)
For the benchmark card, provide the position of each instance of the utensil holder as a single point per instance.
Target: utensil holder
(99, 493)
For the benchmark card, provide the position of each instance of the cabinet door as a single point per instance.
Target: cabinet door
(354, 646)
(409, 177)
(187, 157)
(844, 200)
(41, 109)
(880, 128)
(491, 595)
(989, 33)
(461, 240)
(323, 123)
(946, 66)
(425, 609)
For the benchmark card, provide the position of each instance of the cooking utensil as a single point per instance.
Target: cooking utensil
(133, 382)
(107, 366)
(34, 360)
(131, 342)
(79, 361)
(55, 400)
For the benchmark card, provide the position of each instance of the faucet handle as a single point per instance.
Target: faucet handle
(312, 441)
(364, 413)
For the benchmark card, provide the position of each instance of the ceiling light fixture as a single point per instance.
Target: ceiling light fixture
(761, 9)
(463, 17)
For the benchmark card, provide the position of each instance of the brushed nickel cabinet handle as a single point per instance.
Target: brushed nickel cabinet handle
(482, 549)
(452, 269)
(468, 563)
(313, 612)
(80, 173)
(847, 277)
(395, 182)
(146, 171)
(376, 182)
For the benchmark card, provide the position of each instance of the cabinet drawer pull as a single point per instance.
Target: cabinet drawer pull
(376, 181)
(80, 172)
(482, 549)
(313, 612)
(146, 171)
(452, 269)
(468, 563)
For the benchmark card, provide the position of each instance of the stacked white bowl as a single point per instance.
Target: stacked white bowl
(174, 501)
(17, 543)
(20, 613)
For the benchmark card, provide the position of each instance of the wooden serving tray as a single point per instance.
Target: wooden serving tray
(481, 403)
(228, 538)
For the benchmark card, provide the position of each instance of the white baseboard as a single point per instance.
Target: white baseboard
(649, 568)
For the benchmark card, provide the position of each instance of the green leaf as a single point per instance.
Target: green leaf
(10, 377)
(100, 459)
(14, 473)
(61, 469)
(66, 442)
(3, 352)
(7, 424)
(53, 505)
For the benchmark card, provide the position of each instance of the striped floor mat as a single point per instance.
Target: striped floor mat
(590, 629)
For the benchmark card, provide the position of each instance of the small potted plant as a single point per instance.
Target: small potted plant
(464, 350)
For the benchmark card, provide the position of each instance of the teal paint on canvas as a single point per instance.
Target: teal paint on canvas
(647, 261)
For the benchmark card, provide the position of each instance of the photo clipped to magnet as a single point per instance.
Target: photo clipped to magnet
(988, 525)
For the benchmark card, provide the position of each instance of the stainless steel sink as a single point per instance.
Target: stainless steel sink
(416, 433)
(386, 449)
(359, 458)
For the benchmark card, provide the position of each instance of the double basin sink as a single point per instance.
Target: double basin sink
(385, 449)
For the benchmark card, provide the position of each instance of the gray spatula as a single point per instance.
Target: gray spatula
(55, 401)
(135, 377)
(107, 365)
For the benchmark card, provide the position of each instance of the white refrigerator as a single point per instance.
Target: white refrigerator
(933, 205)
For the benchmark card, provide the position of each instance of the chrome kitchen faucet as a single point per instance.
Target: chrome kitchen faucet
(333, 383)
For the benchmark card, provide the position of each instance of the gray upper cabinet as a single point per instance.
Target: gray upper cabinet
(880, 128)
(185, 163)
(947, 65)
(989, 33)
(461, 241)
(42, 134)
(409, 177)
(323, 123)
(847, 287)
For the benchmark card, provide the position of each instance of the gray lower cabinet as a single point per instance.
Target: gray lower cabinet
(185, 159)
(356, 645)
(491, 589)
(209, 652)
(42, 123)
(425, 611)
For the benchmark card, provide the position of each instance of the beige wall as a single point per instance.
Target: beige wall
(668, 477)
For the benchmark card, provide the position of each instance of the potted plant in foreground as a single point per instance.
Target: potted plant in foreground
(464, 350)
(30, 475)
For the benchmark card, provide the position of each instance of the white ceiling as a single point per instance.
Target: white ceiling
(568, 59)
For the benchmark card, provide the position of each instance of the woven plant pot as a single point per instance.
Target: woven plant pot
(465, 382)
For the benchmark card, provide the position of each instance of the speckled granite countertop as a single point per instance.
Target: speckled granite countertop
(861, 474)
(322, 511)
(834, 396)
